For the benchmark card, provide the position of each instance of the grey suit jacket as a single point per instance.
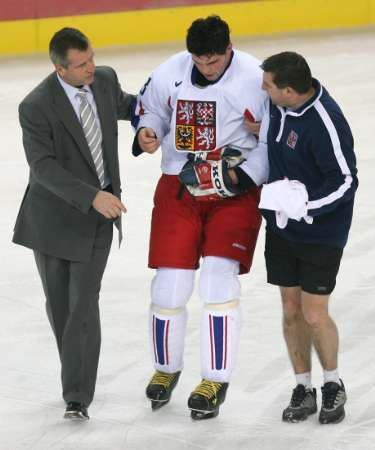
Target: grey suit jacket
(56, 216)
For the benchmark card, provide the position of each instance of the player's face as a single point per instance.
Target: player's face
(80, 68)
(213, 66)
(278, 96)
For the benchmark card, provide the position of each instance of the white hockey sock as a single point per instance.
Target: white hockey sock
(167, 337)
(331, 375)
(220, 330)
(304, 379)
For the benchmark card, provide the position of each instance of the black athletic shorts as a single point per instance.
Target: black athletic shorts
(313, 267)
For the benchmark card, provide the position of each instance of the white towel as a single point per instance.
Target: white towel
(288, 198)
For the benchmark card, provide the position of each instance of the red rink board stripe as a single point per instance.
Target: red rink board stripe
(35, 9)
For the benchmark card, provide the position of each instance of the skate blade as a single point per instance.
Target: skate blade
(157, 404)
(203, 415)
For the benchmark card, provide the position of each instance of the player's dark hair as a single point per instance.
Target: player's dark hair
(64, 40)
(289, 69)
(208, 36)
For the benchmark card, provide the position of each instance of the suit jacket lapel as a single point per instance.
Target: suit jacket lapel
(65, 111)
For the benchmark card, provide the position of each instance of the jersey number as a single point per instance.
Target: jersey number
(143, 90)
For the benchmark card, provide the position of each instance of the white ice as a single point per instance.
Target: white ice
(31, 407)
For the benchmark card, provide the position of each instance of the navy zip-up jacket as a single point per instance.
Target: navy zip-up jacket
(314, 145)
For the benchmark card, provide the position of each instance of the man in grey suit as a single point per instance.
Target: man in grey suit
(69, 125)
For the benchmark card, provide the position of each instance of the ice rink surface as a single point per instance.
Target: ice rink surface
(31, 407)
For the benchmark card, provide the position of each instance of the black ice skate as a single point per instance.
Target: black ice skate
(302, 405)
(160, 387)
(206, 399)
(333, 401)
(76, 411)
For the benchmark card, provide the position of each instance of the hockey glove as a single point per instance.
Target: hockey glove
(208, 179)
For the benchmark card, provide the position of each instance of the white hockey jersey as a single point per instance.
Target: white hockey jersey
(190, 118)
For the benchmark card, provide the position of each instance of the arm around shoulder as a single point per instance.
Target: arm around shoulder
(125, 102)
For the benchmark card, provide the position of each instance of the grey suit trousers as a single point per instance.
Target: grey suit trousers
(72, 303)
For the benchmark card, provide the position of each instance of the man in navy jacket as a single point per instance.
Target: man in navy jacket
(308, 206)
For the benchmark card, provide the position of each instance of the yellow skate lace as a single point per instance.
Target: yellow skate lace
(207, 388)
(162, 378)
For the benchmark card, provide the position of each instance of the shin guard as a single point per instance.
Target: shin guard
(167, 337)
(220, 330)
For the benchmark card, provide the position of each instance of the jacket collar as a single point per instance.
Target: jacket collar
(307, 105)
(301, 110)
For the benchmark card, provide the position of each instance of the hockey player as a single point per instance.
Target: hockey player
(308, 206)
(194, 106)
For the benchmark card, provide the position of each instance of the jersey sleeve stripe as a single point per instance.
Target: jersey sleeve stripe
(331, 198)
(334, 138)
(335, 141)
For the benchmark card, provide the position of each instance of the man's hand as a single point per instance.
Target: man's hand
(147, 140)
(253, 127)
(108, 205)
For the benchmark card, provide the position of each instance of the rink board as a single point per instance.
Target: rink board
(152, 26)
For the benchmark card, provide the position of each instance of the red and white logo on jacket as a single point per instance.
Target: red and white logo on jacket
(292, 139)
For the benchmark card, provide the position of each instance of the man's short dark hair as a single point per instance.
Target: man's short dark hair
(208, 36)
(289, 69)
(64, 40)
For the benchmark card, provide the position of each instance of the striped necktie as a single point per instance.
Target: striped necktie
(92, 133)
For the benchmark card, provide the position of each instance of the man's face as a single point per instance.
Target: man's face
(80, 68)
(213, 66)
(278, 96)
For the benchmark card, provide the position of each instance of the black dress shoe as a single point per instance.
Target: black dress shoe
(75, 410)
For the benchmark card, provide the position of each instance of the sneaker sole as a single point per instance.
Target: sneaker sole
(291, 419)
(332, 422)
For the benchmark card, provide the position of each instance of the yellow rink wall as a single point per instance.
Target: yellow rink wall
(170, 24)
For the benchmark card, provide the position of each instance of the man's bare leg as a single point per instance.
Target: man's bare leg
(323, 329)
(297, 332)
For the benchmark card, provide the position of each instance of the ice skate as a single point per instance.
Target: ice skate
(206, 399)
(160, 387)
